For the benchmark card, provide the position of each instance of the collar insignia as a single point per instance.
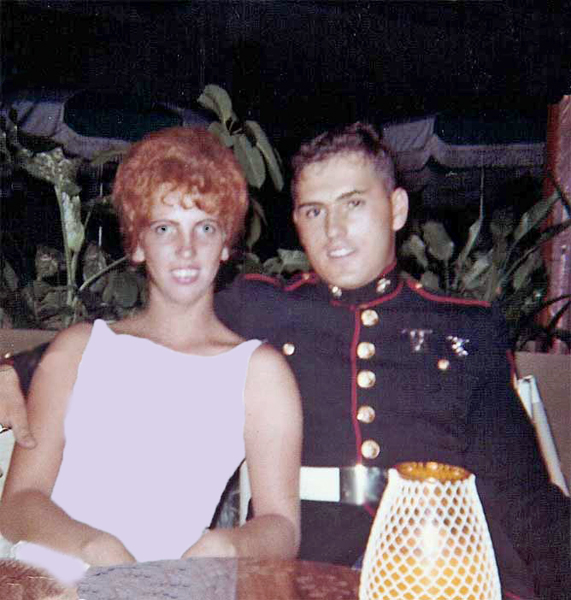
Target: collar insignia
(418, 338)
(382, 285)
(457, 344)
(336, 291)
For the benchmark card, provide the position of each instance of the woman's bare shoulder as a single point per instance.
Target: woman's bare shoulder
(268, 367)
(266, 356)
(72, 340)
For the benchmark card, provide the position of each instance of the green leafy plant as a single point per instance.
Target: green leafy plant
(258, 159)
(505, 265)
(252, 149)
(94, 285)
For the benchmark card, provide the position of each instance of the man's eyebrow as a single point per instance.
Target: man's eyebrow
(346, 195)
(339, 198)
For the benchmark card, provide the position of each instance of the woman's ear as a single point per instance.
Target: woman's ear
(399, 202)
(225, 254)
(138, 255)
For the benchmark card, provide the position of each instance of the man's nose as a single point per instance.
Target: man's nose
(334, 223)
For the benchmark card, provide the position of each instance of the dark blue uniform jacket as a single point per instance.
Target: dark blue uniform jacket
(391, 373)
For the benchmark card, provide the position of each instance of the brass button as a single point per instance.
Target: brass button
(365, 350)
(366, 379)
(335, 291)
(443, 364)
(369, 317)
(382, 285)
(370, 449)
(366, 414)
(288, 349)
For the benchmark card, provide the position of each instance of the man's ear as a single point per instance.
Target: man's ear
(225, 254)
(399, 203)
(294, 216)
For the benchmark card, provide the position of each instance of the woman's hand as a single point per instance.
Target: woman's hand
(214, 542)
(103, 549)
(13, 408)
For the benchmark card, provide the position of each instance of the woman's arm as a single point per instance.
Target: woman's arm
(273, 432)
(27, 512)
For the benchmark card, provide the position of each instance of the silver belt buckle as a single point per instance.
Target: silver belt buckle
(361, 485)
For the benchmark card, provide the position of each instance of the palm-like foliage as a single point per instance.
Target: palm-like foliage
(510, 269)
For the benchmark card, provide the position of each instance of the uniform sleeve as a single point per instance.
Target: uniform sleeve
(249, 306)
(25, 364)
(511, 474)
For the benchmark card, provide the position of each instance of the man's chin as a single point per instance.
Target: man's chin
(345, 282)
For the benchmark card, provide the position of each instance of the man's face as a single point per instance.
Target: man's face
(346, 220)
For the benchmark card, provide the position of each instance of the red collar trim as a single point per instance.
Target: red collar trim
(374, 302)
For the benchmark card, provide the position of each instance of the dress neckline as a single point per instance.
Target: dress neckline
(104, 326)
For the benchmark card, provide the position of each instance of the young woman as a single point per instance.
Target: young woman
(89, 494)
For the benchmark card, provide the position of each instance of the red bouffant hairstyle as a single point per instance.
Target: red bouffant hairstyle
(358, 138)
(189, 160)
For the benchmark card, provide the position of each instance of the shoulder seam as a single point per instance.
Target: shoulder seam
(300, 280)
(446, 299)
(262, 278)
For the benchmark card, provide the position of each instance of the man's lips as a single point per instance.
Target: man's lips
(340, 252)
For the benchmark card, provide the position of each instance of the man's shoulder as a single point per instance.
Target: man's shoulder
(480, 321)
(265, 286)
(441, 301)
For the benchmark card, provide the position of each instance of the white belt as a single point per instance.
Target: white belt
(349, 485)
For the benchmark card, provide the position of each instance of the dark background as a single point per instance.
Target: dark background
(298, 67)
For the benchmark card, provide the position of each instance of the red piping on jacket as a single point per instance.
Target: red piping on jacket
(374, 302)
(510, 595)
(260, 277)
(448, 299)
(313, 278)
(356, 427)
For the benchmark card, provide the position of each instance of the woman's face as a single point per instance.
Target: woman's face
(182, 249)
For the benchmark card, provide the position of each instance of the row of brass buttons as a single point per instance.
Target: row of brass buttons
(366, 379)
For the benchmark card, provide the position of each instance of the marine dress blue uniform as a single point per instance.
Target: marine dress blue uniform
(391, 372)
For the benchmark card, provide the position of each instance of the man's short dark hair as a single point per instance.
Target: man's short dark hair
(358, 138)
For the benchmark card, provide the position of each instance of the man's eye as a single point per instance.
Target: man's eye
(354, 202)
(311, 213)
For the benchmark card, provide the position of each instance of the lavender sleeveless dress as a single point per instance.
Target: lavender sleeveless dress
(152, 437)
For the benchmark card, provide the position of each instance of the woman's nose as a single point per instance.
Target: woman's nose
(186, 246)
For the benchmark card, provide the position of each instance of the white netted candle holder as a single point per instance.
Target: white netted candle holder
(430, 539)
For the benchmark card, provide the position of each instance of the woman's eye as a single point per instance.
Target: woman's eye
(161, 229)
(209, 228)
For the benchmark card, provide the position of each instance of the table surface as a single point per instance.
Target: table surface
(211, 579)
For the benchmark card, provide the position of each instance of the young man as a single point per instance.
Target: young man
(389, 372)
